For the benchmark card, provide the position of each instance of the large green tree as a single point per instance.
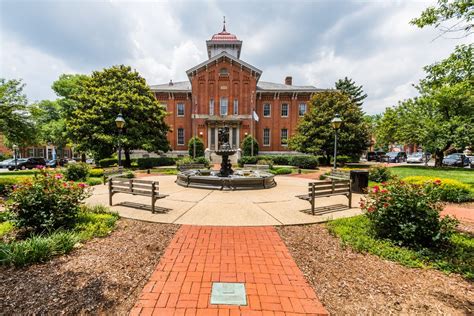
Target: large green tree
(355, 92)
(106, 94)
(315, 134)
(15, 120)
(454, 16)
(442, 116)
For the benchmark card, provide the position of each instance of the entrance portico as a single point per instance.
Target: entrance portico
(214, 126)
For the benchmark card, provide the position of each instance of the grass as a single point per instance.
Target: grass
(461, 174)
(457, 258)
(91, 222)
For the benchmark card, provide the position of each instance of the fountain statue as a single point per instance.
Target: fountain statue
(226, 178)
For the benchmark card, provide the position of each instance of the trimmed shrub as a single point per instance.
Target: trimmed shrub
(46, 202)
(247, 160)
(108, 162)
(77, 171)
(148, 163)
(6, 183)
(380, 174)
(304, 162)
(283, 160)
(408, 214)
(264, 162)
(96, 172)
(94, 181)
(128, 175)
(343, 159)
(189, 160)
(199, 147)
(449, 190)
(247, 146)
(281, 171)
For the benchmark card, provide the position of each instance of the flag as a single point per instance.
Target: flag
(255, 116)
(54, 153)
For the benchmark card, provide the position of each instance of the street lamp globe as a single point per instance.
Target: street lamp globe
(15, 147)
(336, 122)
(119, 121)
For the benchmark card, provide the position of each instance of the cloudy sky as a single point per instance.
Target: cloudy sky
(317, 42)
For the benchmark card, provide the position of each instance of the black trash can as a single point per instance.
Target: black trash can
(360, 181)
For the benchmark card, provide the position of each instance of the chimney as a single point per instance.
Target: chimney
(171, 82)
(289, 80)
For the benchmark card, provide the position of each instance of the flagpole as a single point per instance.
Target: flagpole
(251, 125)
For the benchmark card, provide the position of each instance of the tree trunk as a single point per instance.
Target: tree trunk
(83, 157)
(127, 163)
(439, 155)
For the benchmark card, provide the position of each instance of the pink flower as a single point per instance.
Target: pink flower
(58, 176)
(385, 205)
(65, 184)
(82, 185)
(384, 191)
(371, 209)
(384, 184)
(437, 181)
(376, 189)
(39, 167)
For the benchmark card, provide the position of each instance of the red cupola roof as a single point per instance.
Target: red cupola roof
(223, 41)
(224, 35)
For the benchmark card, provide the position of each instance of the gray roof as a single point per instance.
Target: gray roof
(180, 86)
(278, 87)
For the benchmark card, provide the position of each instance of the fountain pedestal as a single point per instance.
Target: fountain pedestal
(226, 167)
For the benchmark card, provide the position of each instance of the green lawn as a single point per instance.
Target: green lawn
(457, 258)
(460, 174)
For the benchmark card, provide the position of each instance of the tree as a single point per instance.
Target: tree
(50, 123)
(442, 117)
(315, 135)
(462, 11)
(199, 147)
(247, 146)
(348, 86)
(106, 94)
(15, 122)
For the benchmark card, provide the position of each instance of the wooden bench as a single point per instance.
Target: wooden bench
(327, 189)
(190, 166)
(339, 175)
(135, 187)
(111, 173)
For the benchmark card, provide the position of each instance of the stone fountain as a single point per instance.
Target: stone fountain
(226, 178)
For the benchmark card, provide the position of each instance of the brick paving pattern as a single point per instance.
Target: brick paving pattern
(461, 213)
(200, 255)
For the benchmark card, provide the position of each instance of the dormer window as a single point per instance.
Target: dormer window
(223, 72)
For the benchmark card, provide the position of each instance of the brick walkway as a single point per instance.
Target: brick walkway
(461, 213)
(200, 255)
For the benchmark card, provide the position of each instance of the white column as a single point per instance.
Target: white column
(231, 131)
(209, 142)
(216, 137)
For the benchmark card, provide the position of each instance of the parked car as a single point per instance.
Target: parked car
(5, 163)
(456, 160)
(26, 163)
(375, 155)
(415, 158)
(395, 156)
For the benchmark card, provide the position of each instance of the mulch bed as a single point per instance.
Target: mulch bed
(105, 275)
(352, 283)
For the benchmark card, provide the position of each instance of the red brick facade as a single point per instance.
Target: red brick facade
(225, 79)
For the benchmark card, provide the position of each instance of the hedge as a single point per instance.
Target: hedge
(450, 190)
(301, 161)
(7, 182)
(284, 170)
(142, 163)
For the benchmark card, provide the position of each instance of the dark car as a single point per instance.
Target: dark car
(456, 160)
(56, 163)
(395, 156)
(375, 155)
(26, 163)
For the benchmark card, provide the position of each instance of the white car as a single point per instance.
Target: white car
(5, 163)
(415, 158)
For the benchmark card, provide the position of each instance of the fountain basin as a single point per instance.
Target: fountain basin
(239, 180)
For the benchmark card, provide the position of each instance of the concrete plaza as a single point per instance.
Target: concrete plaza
(276, 206)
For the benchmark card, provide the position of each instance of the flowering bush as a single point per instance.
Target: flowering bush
(449, 190)
(46, 202)
(380, 174)
(408, 214)
(77, 171)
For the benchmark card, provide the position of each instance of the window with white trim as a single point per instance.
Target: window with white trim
(180, 111)
(301, 109)
(211, 106)
(267, 109)
(266, 137)
(236, 107)
(284, 109)
(224, 106)
(180, 136)
(284, 137)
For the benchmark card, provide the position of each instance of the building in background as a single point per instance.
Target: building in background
(222, 92)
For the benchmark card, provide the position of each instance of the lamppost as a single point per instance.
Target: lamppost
(336, 124)
(15, 152)
(120, 122)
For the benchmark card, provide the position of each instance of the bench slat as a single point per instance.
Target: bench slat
(330, 192)
(329, 186)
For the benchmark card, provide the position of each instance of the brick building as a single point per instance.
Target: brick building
(222, 92)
